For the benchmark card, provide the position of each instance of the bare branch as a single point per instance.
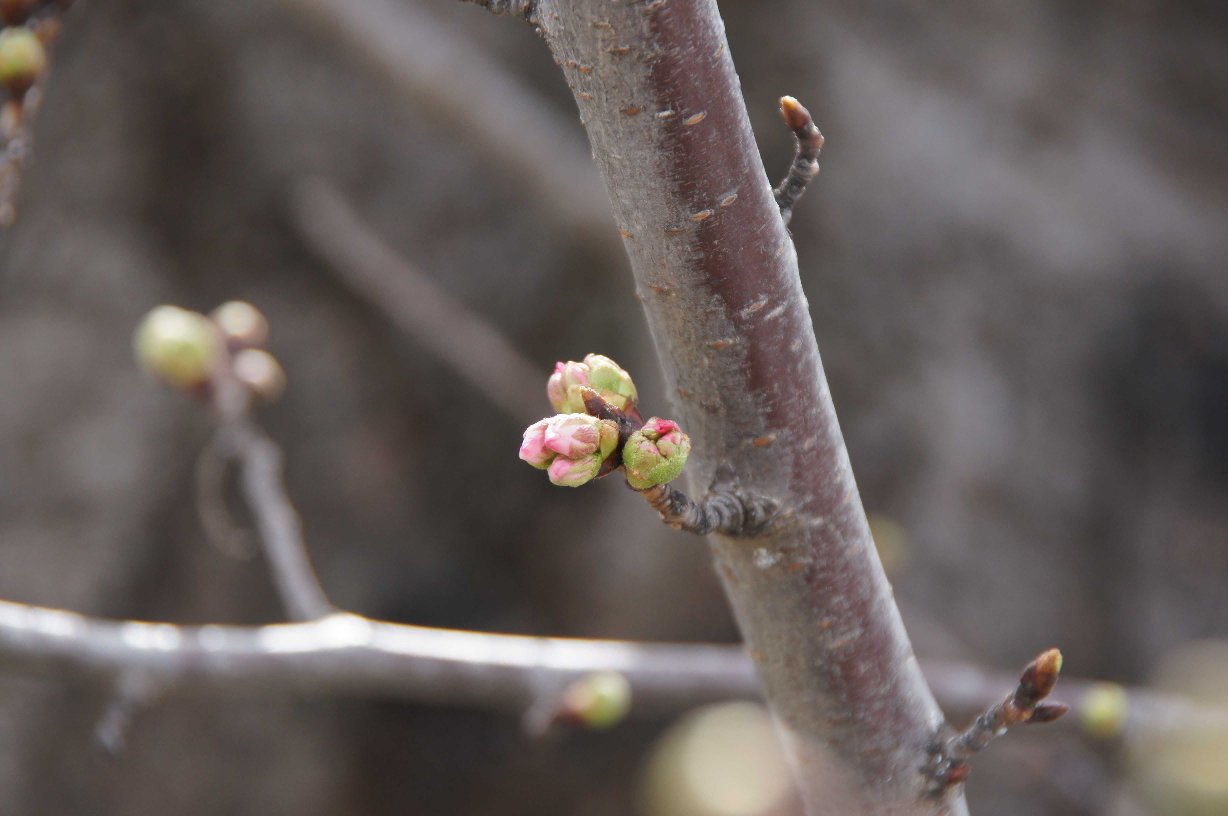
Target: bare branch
(1024, 705)
(412, 301)
(348, 654)
(260, 463)
(442, 73)
(805, 162)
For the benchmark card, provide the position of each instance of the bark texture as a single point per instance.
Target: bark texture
(717, 273)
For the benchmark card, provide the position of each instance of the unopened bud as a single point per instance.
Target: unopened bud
(571, 448)
(600, 373)
(655, 454)
(242, 323)
(260, 372)
(22, 59)
(1104, 710)
(563, 388)
(178, 346)
(599, 700)
(611, 381)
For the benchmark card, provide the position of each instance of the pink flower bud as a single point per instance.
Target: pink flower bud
(573, 435)
(655, 454)
(533, 449)
(574, 472)
(563, 387)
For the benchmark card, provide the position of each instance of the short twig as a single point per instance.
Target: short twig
(805, 162)
(726, 509)
(949, 764)
(414, 303)
(281, 533)
(220, 527)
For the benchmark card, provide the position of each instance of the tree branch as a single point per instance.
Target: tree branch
(446, 75)
(414, 303)
(718, 277)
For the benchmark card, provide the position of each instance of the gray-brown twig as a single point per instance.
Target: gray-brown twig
(1024, 705)
(805, 162)
(724, 510)
(413, 302)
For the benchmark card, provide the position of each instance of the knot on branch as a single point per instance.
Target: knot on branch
(727, 509)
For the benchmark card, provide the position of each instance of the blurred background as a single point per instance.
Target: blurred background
(1014, 257)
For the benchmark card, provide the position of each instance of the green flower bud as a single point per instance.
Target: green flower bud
(655, 454)
(1105, 707)
(180, 347)
(599, 700)
(613, 383)
(22, 58)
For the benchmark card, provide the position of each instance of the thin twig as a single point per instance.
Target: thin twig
(415, 303)
(805, 162)
(1024, 705)
(281, 533)
(220, 527)
(512, 129)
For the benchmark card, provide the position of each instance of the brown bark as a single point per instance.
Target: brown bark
(717, 273)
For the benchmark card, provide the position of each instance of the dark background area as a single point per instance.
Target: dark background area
(1015, 262)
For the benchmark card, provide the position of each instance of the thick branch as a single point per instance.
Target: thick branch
(718, 277)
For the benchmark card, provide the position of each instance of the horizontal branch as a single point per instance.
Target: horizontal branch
(346, 654)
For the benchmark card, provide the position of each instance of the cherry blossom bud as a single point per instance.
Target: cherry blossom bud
(533, 449)
(570, 447)
(180, 347)
(599, 700)
(22, 59)
(260, 372)
(611, 381)
(655, 454)
(598, 372)
(242, 323)
(573, 472)
(563, 388)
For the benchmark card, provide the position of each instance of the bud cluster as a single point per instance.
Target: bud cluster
(189, 350)
(599, 428)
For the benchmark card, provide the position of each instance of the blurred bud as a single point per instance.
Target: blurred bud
(260, 372)
(599, 700)
(721, 760)
(1180, 765)
(1105, 707)
(241, 323)
(16, 11)
(655, 454)
(598, 372)
(570, 447)
(178, 346)
(22, 59)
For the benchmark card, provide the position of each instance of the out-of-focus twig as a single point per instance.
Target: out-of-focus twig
(412, 301)
(440, 71)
